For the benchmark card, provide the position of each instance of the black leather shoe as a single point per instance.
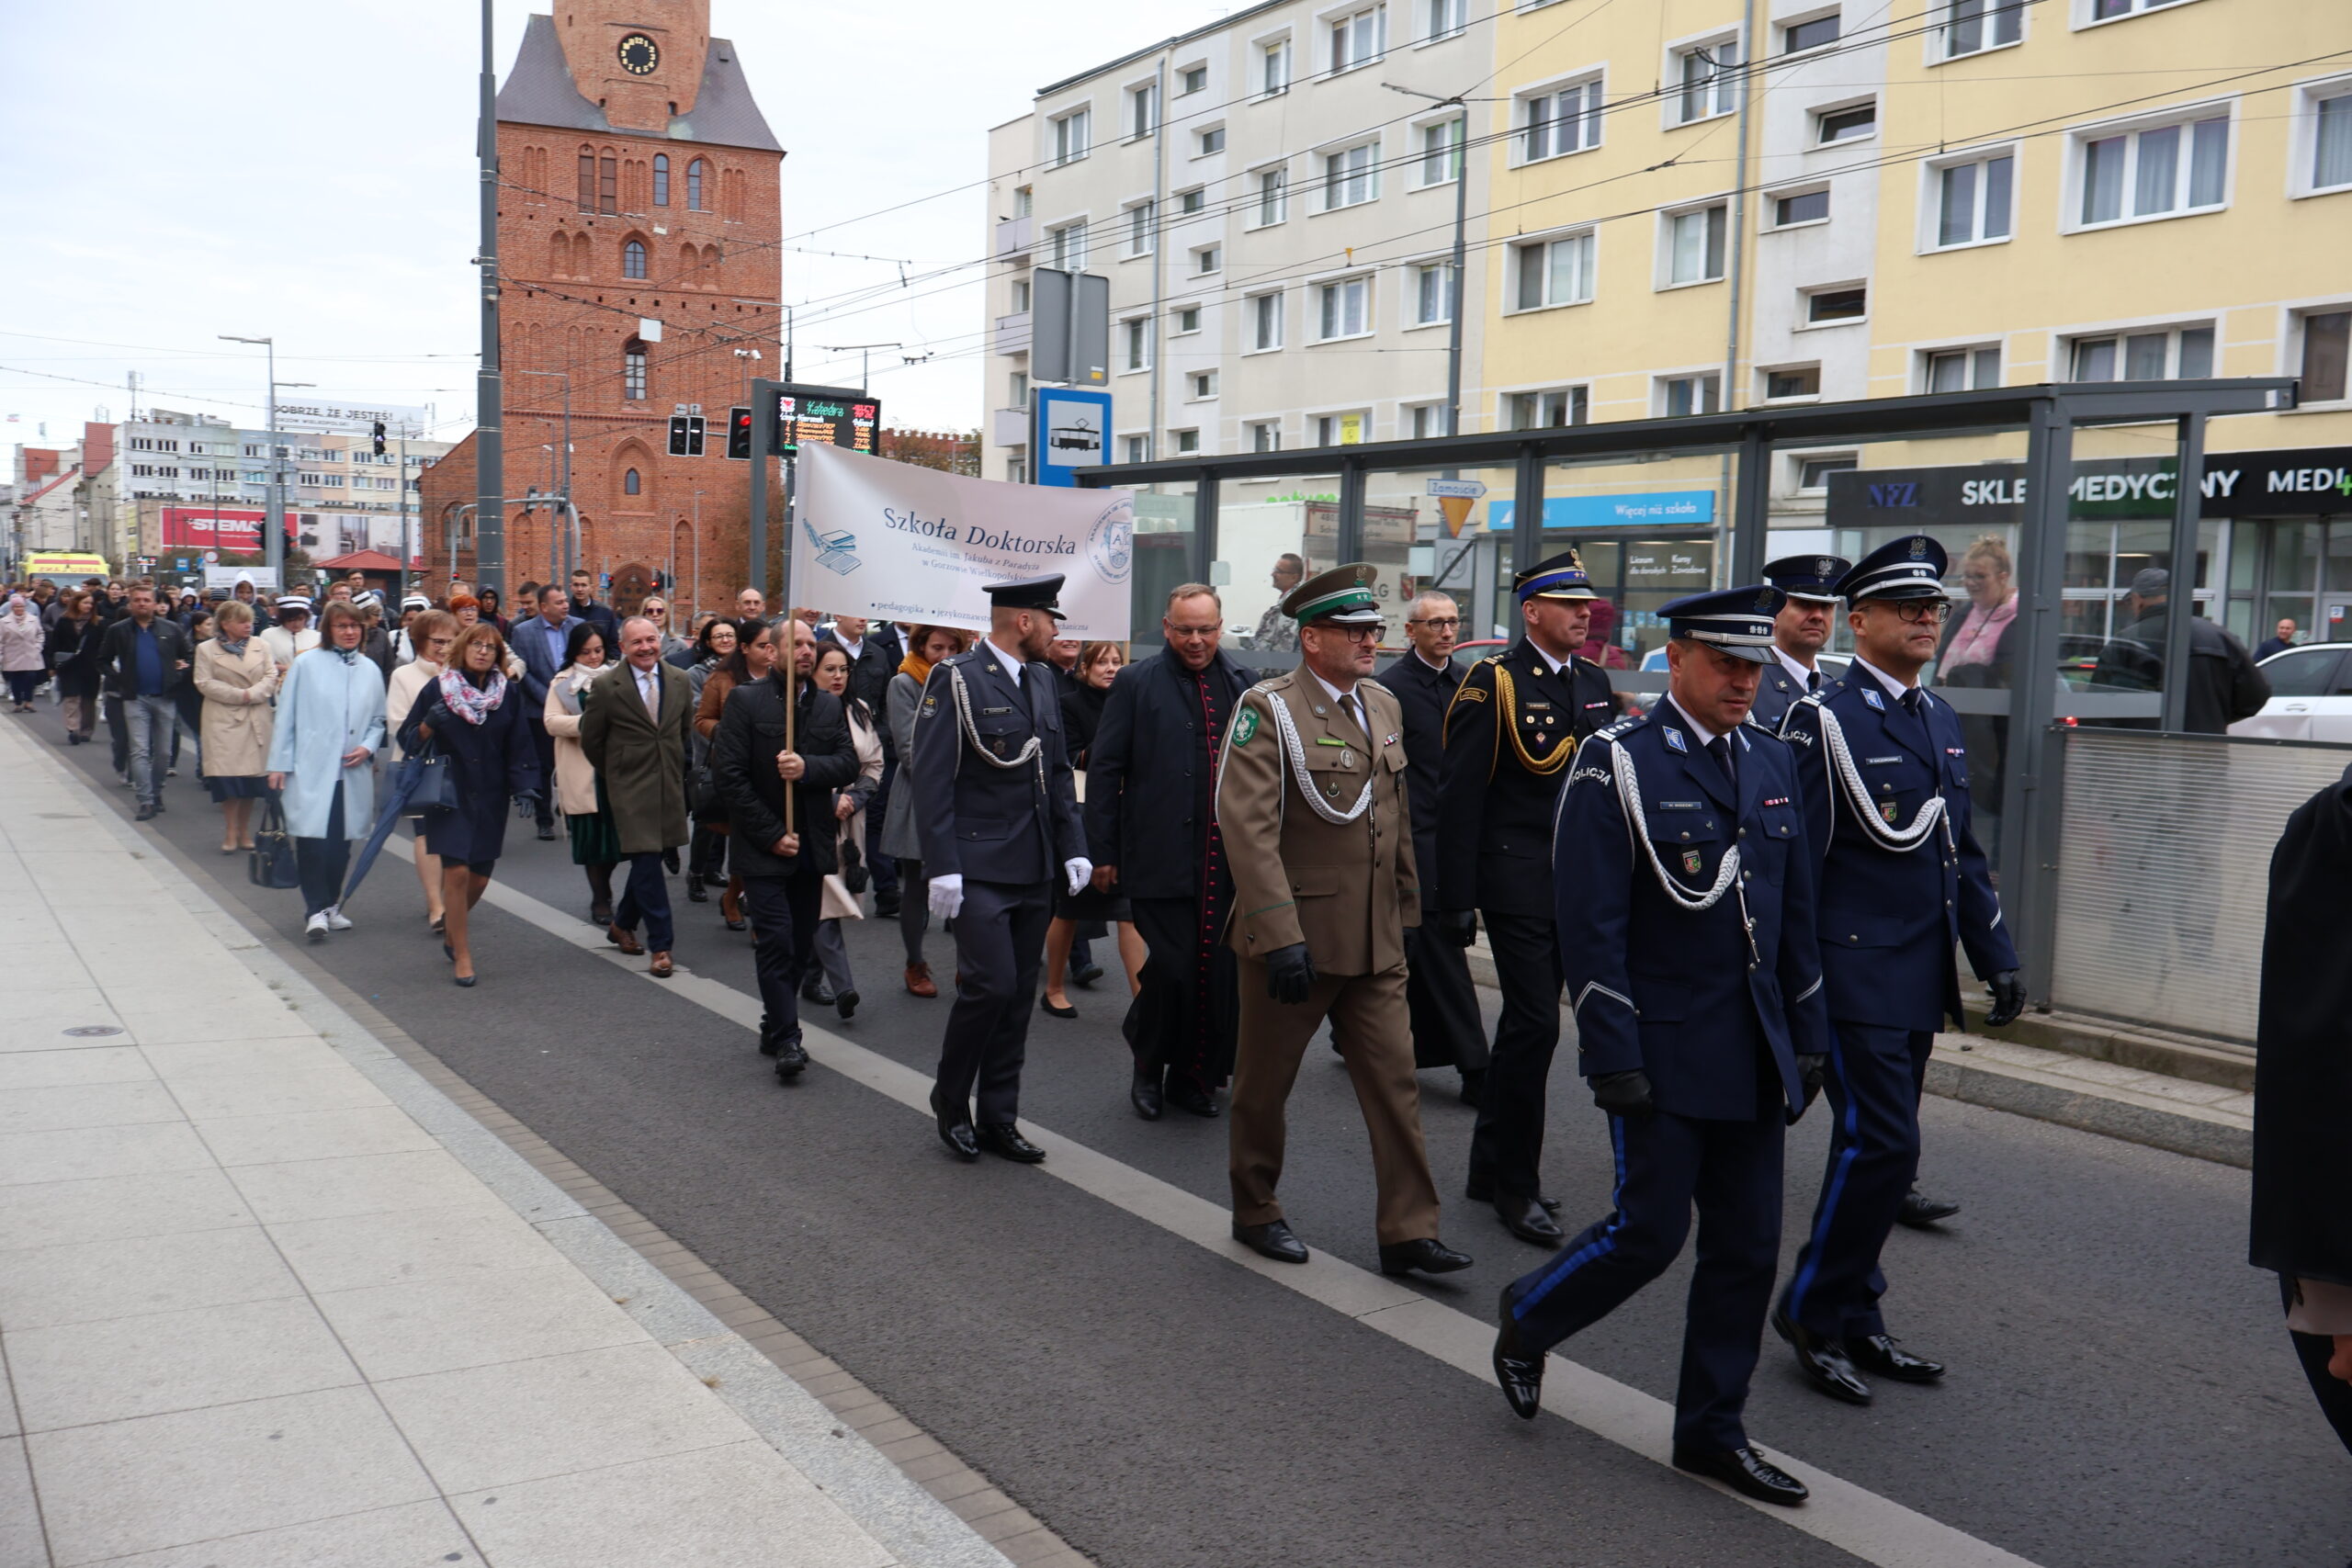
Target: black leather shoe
(1822, 1361)
(885, 905)
(1427, 1253)
(1519, 1370)
(1920, 1212)
(670, 861)
(1003, 1139)
(1483, 1191)
(1185, 1095)
(600, 914)
(771, 1039)
(1046, 1005)
(1272, 1240)
(1144, 1094)
(791, 1060)
(1474, 1086)
(1745, 1472)
(954, 1127)
(846, 1003)
(547, 832)
(817, 994)
(1880, 1354)
(1525, 1218)
(695, 892)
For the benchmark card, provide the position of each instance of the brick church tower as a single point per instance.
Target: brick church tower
(638, 220)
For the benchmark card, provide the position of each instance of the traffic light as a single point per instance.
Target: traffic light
(379, 435)
(686, 435)
(738, 433)
(677, 436)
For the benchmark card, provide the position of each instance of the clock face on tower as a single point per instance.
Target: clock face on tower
(639, 55)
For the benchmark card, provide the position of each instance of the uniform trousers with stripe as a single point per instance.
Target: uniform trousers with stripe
(1665, 1164)
(1876, 1075)
(1507, 1145)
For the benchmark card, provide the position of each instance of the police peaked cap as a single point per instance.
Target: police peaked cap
(1737, 621)
(1028, 593)
(1909, 568)
(1810, 578)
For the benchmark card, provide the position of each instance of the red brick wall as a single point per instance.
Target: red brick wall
(711, 278)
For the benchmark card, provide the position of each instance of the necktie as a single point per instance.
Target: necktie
(649, 688)
(1720, 750)
(1355, 714)
(1813, 681)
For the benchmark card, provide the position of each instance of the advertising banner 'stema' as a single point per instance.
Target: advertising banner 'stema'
(893, 542)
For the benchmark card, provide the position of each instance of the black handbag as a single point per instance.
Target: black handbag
(271, 862)
(854, 875)
(437, 784)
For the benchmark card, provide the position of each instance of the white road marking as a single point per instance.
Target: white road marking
(1845, 1516)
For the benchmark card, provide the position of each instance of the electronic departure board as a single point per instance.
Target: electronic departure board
(833, 416)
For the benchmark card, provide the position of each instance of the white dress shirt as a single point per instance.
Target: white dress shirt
(1014, 667)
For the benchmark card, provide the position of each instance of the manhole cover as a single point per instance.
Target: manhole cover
(91, 1030)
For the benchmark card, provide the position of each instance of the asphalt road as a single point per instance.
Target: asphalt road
(2122, 1391)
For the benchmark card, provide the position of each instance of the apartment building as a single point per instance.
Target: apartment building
(1781, 201)
(1695, 205)
(1277, 218)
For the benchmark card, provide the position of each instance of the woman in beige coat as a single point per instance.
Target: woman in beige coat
(236, 676)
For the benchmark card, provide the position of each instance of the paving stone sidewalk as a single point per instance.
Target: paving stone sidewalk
(270, 1299)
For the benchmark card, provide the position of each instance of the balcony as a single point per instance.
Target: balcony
(1008, 427)
(1014, 237)
(1012, 333)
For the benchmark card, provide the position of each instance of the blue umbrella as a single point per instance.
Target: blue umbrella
(406, 775)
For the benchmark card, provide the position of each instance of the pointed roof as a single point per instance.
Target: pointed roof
(541, 91)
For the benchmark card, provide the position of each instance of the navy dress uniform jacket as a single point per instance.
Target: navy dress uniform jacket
(978, 820)
(1776, 694)
(1890, 919)
(1680, 995)
(1423, 694)
(1494, 825)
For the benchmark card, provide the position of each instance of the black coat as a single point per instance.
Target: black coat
(2302, 1074)
(2223, 685)
(1423, 694)
(743, 766)
(869, 679)
(491, 762)
(74, 654)
(1083, 708)
(1494, 828)
(119, 661)
(1141, 814)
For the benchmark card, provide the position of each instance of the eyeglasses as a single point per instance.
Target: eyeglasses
(1921, 611)
(1353, 633)
(1442, 622)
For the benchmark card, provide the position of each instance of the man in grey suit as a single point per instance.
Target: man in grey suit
(539, 643)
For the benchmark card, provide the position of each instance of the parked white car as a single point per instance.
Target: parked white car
(2311, 695)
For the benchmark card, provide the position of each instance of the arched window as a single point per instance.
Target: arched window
(559, 255)
(587, 179)
(710, 258)
(633, 370)
(696, 171)
(633, 259)
(631, 484)
(580, 256)
(688, 261)
(661, 179)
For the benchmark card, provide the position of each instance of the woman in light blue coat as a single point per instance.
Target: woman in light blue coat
(322, 760)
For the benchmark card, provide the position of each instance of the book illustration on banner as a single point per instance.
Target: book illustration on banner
(836, 552)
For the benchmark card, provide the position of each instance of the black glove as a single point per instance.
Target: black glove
(1459, 927)
(1813, 1071)
(2009, 999)
(1290, 973)
(1625, 1094)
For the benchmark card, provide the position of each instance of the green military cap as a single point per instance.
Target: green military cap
(1341, 597)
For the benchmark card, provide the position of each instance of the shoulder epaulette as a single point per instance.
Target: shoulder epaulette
(1611, 731)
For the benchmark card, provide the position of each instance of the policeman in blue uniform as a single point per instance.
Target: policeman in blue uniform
(998, 818)
(1684, 889)
(1511, 732)
(1885, 787)
(1799, 633)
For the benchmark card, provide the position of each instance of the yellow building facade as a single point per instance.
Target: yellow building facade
(1703, 203)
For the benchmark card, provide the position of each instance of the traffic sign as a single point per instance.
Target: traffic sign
(213, 557)
(1071, 433)
(1468, 489)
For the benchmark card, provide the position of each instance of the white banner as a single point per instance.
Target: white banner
(893, 542)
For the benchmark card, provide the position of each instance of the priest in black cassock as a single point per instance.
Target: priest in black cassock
(2302, 1095)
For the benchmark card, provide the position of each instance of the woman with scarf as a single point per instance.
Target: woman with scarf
(235, 677)
(926, 646)
(830, 982)
(24, 652)
(473, 715)
(322, 761)
(754, 655)
(579, 792)
(431, 635)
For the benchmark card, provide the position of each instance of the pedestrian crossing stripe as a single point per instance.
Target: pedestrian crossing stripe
(1247, 726)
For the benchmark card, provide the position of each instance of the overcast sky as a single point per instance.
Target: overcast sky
(305, 171)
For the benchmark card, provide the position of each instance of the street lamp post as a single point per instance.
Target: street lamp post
(273, 539)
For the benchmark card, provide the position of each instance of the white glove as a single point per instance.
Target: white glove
(947, 895)
(1078, 870)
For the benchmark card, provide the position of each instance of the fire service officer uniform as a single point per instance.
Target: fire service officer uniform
(1884, 772)
(1510, 733)
(1684, 897)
